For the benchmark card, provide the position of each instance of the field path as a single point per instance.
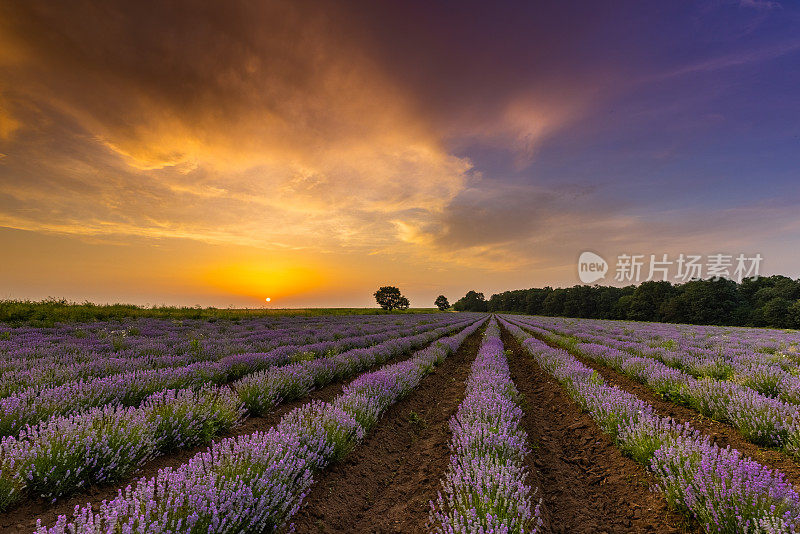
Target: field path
(586, 484)
(386, 483)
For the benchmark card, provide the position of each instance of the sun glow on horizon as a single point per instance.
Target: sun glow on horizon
(253, 279)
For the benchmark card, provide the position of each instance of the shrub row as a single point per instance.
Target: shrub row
(66, 453)
(725, 491)
(761, 419)
(484, 486)
(256, 483)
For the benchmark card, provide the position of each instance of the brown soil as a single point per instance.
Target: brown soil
(387, 482)
(721, 433)
(585, 482)
(23, 518)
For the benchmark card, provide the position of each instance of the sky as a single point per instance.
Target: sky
(220, 153)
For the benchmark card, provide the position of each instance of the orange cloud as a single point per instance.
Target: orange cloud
(250, 126)
(8, 124)
(279, 130)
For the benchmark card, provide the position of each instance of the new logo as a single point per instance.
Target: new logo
(591, 267)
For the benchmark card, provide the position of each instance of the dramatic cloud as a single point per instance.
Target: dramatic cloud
(298, 139)
(260, 121)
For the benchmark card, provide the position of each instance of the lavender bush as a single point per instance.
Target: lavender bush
(60, 455)
(36, 403)
(184, 418)
(484, 487)
(252, 483)
(724, 491)
(761, 419)
(46, 357)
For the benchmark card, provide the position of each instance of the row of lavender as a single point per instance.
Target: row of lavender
(25, 347)
(775, 375)
(724, 491)
(35, 404)
(761, 419)
(256, 483)
(714, 339)
(40, 358)
(105, 444)
(484, 486)
(770, 370)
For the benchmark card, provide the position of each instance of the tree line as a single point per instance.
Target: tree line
(772, 301)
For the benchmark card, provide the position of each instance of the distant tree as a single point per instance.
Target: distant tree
(772, 301)
(648, 300)
(472, 301)
(390, 298)
(553, 304)
(776, 312)
(710, 301)
(441, 303)
(794, 314)
(534, 300)
(620, 310)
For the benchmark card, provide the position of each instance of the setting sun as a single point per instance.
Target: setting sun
(249, 279)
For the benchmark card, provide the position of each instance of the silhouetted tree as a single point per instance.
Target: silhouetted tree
(390, 298)
(441, 303)
(403, 304)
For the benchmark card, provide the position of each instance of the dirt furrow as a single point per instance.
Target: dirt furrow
(23, 518)
(385, 485)
(585, 482)
(721, 433)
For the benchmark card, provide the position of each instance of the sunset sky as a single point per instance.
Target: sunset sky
(220, 153)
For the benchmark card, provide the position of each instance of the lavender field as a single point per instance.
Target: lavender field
(746, 379)
(148, 425)
(88, 405)
(314, 267)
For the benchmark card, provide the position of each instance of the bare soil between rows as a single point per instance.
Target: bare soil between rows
(586, 484)
(22, 519)
(385, 485)
(722, 434)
